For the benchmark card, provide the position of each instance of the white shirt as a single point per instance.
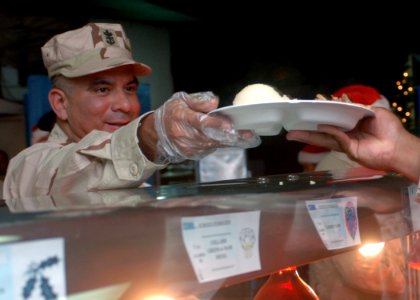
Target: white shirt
(336, 160)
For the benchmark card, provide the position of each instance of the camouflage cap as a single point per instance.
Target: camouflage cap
(90, 49)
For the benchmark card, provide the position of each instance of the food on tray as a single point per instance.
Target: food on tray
(258, 93)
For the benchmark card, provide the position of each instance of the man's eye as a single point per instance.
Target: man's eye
(102, 90)
(132, 89)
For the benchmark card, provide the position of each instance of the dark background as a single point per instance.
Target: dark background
(220, 43)
(300, 48)
(300, 51)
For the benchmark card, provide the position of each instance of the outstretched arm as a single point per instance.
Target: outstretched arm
(379, 142)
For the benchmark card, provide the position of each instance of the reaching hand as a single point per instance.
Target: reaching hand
(378, 142)
(185, 131)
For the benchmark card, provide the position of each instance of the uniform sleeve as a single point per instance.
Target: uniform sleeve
(100, 161)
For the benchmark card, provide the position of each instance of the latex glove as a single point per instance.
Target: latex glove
(185, 131)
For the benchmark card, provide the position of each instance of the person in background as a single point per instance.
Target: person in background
(310, 155)
(360, 94)
(42, 129)
(99, 140)
(355, 275)
(380, 142)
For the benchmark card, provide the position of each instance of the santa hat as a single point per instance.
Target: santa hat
(363, 94)
(312, 154)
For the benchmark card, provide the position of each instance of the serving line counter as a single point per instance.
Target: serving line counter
(217, 240)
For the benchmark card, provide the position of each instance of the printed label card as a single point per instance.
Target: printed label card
(336, 221)
(33, 270)
(222, 245)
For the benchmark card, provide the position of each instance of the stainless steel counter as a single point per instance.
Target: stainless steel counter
(130, 244)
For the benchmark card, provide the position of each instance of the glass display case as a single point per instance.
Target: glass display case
(350, 235)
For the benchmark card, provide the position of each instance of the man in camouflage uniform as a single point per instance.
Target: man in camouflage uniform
(99, 140)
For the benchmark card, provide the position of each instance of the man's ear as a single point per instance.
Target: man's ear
(58, 102)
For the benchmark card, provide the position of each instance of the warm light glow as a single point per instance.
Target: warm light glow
(398, 82)
(407, 114)
(405, 74)
(400, 87)
(410, 89)
(399, 108)
(159, 297)
(394, 104)
(371, 249)
(404, 120)
(404, 81)
(413, 264)
(405, 93)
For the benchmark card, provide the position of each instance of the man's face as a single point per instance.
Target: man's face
(104, 101)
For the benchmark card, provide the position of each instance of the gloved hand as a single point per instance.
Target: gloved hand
(185, 131)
